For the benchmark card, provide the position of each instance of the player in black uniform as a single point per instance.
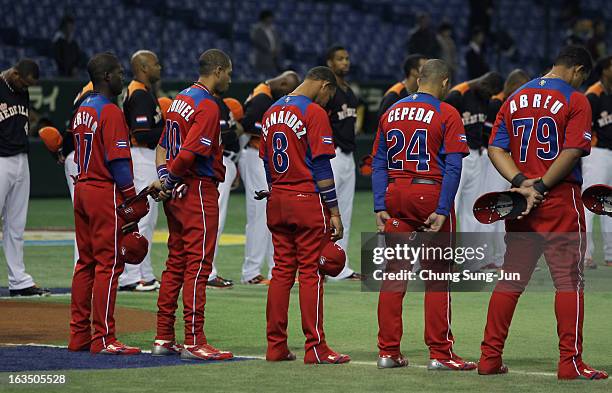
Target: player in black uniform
(597, 167)
(15, 173)
(145, 121)
(230, 129)
(258, 245)
(412, 66)
(471, 99)
(342, 110)
(491, 180)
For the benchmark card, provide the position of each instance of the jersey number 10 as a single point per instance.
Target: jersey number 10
(173, 139)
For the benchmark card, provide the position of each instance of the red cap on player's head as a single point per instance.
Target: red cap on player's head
(598, 199)
(133, 249)
(332, 259)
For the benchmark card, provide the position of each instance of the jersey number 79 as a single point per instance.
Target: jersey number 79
(546, 134)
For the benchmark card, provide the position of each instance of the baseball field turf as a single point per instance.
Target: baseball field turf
(235, 320)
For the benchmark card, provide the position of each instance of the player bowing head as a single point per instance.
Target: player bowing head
(435, 78)
(573, 64)
(216, 66)
(22, 75)
(106, 73)
(320, 85)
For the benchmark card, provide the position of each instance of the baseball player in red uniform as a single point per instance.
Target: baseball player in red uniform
(190, 166)
(416, 174)
(539, 136)
(105, 179)
(302, 211)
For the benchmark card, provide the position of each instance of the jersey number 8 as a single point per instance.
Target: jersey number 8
(416, 151)
(280, 158)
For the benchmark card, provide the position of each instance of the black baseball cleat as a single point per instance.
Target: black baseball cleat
(129, 287)
(355, 277)
(30, 291)
(220, 282)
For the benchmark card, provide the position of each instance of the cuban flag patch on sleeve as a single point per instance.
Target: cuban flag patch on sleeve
(122, 144)
(205, 141)
(327, 140)
(462, 138)
(141, 120)
(587, 135)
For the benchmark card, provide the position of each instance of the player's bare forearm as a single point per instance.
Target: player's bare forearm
(563, 165)
(160, 155)
(503, 162)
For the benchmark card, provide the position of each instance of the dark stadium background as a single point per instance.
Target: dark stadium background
(518, 33)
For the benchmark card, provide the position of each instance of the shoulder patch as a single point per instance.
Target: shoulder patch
(262, 88)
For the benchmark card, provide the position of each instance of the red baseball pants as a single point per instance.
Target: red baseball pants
(556, 229)
(96, 274)
(413, 203)
(300, 228)
(192, 223)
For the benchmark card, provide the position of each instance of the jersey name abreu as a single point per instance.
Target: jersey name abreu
(536, 101)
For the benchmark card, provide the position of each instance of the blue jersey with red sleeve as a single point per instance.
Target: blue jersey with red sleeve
(193, 124)
(295, 131)
(100, 137)
(414, 138)
(538, 121)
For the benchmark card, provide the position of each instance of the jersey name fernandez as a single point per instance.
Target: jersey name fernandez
(295, 131)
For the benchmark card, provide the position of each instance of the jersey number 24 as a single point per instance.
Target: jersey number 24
(415, 152)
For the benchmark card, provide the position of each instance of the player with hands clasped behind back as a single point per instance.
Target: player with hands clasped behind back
(190, 166)
(302, 211)
(416, 174)
(539, 136)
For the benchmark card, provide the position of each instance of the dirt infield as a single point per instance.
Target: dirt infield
(25, 322)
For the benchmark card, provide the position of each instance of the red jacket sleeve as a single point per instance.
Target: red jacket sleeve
(115, 134)
(205, 131)
(578, 128)
(319, 133)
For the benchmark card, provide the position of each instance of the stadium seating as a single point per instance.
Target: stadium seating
(375, 31)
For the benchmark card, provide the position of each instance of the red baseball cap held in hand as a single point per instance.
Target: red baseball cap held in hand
(496, 206)
(598, 199)
(332, 259)
(133, 248)
(133, 209)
